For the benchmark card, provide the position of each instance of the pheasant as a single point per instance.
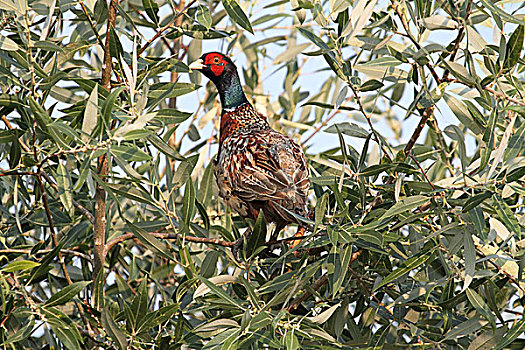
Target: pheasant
(256, 167)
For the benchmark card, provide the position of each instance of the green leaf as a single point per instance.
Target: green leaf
(150, 241)
(64, 328)
(109, 103)
(20, 265)
(184, 171)
(171, 116)
(514, 47)
(67, 336)
(516, 331)
(470, 258)
(206, 185)
(66, 294)
(188, 204)
(152, 10)
(220, 293)
(130, 153)
(6, 43)
(313, 38)
(328, 106)
(21, 333)
(90, 114)
(290, 340)
(169, 90)
(404, 205)
(488, 339)
(467, 327)
(162, 146)
(8, 5)
(44, 263)
(139, 305)
(408, 266)
(495, 10)
(290, 54)
(115, 47)
(65, 185)
(257, 237)
(237, 15)
(349, 129)
(345, 256)
(506, 215)
(371, 85)
(337, 6)
(479, 304)
(382, 72)
(461, 112)
(456, 134)
(476, 200)
(204, 16)
(40, 114)
(114, 331)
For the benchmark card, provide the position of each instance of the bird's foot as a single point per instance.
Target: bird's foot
(237, 245)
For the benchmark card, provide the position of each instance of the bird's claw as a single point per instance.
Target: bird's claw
(237, 245)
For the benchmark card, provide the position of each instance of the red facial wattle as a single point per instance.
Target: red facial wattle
(216, 63)
(217, 69)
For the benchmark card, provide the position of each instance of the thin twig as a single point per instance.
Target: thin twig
(163, 29)
(213, 241)
(141, 14)
(504, 96)
(76, 204)
(45, 251)
(424, 118)
(323, 124)
(458, 39)
(422, 170)
(395, 7)
(93, 27)
(52, 228)
(369, 120)
(318, 283)
(10, 127)
(166, 235)
(500, 270)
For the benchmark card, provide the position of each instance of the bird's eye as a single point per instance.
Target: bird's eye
(216, 60)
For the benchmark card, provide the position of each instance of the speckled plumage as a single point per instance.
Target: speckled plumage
(256, 167)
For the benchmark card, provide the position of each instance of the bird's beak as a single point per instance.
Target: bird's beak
(197, 65)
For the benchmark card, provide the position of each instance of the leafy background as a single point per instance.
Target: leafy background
(412, 117)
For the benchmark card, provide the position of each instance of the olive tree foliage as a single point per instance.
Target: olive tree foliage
(112, 232)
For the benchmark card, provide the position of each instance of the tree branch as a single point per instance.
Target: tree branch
(213, 241)
(318, 283)
(52, 228)
(99, 227)
(424, 118)
(163, 29)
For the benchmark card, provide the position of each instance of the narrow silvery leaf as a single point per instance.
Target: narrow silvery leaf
(341, 96)
(8, 44)
(64, 187)
(90, 114)
(502, 146)
(469, 255)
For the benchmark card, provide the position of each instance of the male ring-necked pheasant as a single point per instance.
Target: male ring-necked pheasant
(256, 167)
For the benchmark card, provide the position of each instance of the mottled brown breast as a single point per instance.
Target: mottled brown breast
(262, 169)
(243, 117)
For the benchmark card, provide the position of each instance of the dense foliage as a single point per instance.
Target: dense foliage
(412, 114)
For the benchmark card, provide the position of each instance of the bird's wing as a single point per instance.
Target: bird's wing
(265, 165)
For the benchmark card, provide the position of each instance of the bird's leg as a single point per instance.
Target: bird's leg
(278, 228)
(239, 243)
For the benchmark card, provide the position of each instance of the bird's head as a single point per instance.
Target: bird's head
(214, 65)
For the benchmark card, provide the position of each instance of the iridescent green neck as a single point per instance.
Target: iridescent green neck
(230, 91)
